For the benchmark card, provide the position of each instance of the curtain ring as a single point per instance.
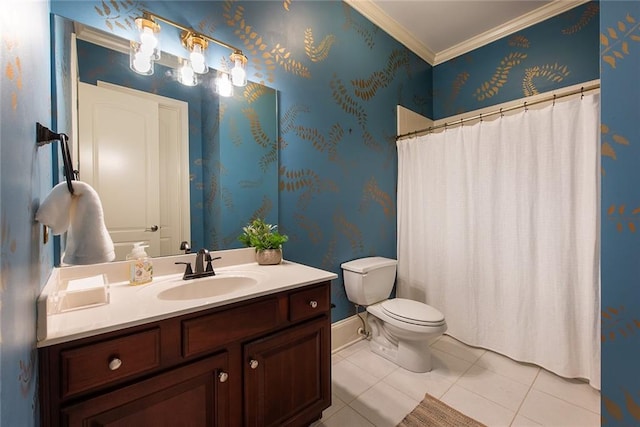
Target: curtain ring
(554, 100)
(480, 117)
(582, 92)
(501, 113)
(461, 121)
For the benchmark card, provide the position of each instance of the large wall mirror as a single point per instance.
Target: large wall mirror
(170, 162)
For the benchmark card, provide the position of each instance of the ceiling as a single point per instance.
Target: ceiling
(439, 30)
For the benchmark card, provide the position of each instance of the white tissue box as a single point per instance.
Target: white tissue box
(75, 294)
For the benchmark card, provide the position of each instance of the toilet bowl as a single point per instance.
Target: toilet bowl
(401, 329)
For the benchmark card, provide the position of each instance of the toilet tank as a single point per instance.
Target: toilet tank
(369, 280)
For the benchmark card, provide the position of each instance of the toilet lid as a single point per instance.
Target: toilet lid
(412, 312)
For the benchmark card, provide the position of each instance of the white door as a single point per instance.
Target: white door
(119, 158)
(175, 213)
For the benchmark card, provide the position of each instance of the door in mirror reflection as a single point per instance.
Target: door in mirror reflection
(129, 144)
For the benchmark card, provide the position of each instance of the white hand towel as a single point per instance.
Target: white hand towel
(80, 214)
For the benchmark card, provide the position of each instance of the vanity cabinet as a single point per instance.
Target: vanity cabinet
(260, 362)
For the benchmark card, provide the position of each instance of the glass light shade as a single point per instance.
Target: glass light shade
(197, 60)
(224, 86)
(140, 61)
(149, 43)
(239, 74)
(186, 76)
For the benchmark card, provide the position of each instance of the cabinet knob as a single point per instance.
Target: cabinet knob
(313, 304)
(253, 363)
(223, 377)
(114, 364)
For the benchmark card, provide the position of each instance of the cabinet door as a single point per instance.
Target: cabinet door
(194, 395)
(287, 379)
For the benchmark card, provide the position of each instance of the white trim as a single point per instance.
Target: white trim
(536, 16)
(375, 14)
(345, 333)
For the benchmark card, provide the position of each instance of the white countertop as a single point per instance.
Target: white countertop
(136, 305)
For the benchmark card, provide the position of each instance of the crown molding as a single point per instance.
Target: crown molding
(536, 16)
(375, 14)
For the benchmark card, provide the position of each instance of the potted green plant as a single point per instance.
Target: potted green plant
(266, 240)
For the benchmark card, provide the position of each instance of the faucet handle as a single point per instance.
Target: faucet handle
(209, 266)
(188, 269)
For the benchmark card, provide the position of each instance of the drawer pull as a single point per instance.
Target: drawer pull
(223, 377)
(313, 304)
(114, 364)
(253, 364)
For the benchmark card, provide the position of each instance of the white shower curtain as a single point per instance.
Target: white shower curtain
(498, 227)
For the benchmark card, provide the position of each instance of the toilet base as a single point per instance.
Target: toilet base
(413, 356)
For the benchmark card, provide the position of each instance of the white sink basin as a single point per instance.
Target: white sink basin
(207, 287)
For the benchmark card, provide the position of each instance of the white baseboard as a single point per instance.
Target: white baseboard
(345, 332)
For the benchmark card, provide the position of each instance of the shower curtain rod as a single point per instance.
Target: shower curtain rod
(501, 111)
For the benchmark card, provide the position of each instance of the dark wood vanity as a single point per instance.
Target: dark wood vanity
(260, 362)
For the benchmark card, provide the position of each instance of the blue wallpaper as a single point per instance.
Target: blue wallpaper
(558, 52)
(339, 79)
(26, 177)
(620, 68)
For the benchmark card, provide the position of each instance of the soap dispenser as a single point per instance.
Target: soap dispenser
(140, 265)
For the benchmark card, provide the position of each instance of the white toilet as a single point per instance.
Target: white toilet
(400, 328)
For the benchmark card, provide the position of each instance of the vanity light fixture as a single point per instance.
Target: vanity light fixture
(145, 52)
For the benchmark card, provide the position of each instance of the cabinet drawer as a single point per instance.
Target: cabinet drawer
(309, 302)
(210, 331)
(97, 364)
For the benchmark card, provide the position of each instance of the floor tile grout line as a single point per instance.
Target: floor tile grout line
(525, 398)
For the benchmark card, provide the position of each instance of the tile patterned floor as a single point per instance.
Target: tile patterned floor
(368, 390)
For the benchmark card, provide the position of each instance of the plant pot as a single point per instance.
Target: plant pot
(269, 256)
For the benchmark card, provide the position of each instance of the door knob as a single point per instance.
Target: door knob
(153, 228)
(253, 364)
(223, 377)
(313, 304)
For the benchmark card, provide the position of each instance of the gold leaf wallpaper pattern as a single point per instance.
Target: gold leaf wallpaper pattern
(257, 47)
(13, 70)
(121, 14)
(305, 181)
(340, 94)
(617, 214)
(373, 193)
(311, 228)
(264, 209)
(518, 40)
(26, 376)
(365, 33)
(608, 138)
(319, 142)
(350, 231)
(252, 92)
(288, 120)
(262, 139)
(366, 88)
(553, 73)
(490, 88)
(614, 410)
(456, 86)
(321, 52)
(589, 13)
(617, 325)
(286, 4)
(329, 259)
(615, 42)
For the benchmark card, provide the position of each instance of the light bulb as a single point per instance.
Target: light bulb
(238, 74)
(223, 85)
(187, 77)
(148, 39)
(142, 63)
(197, 59)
